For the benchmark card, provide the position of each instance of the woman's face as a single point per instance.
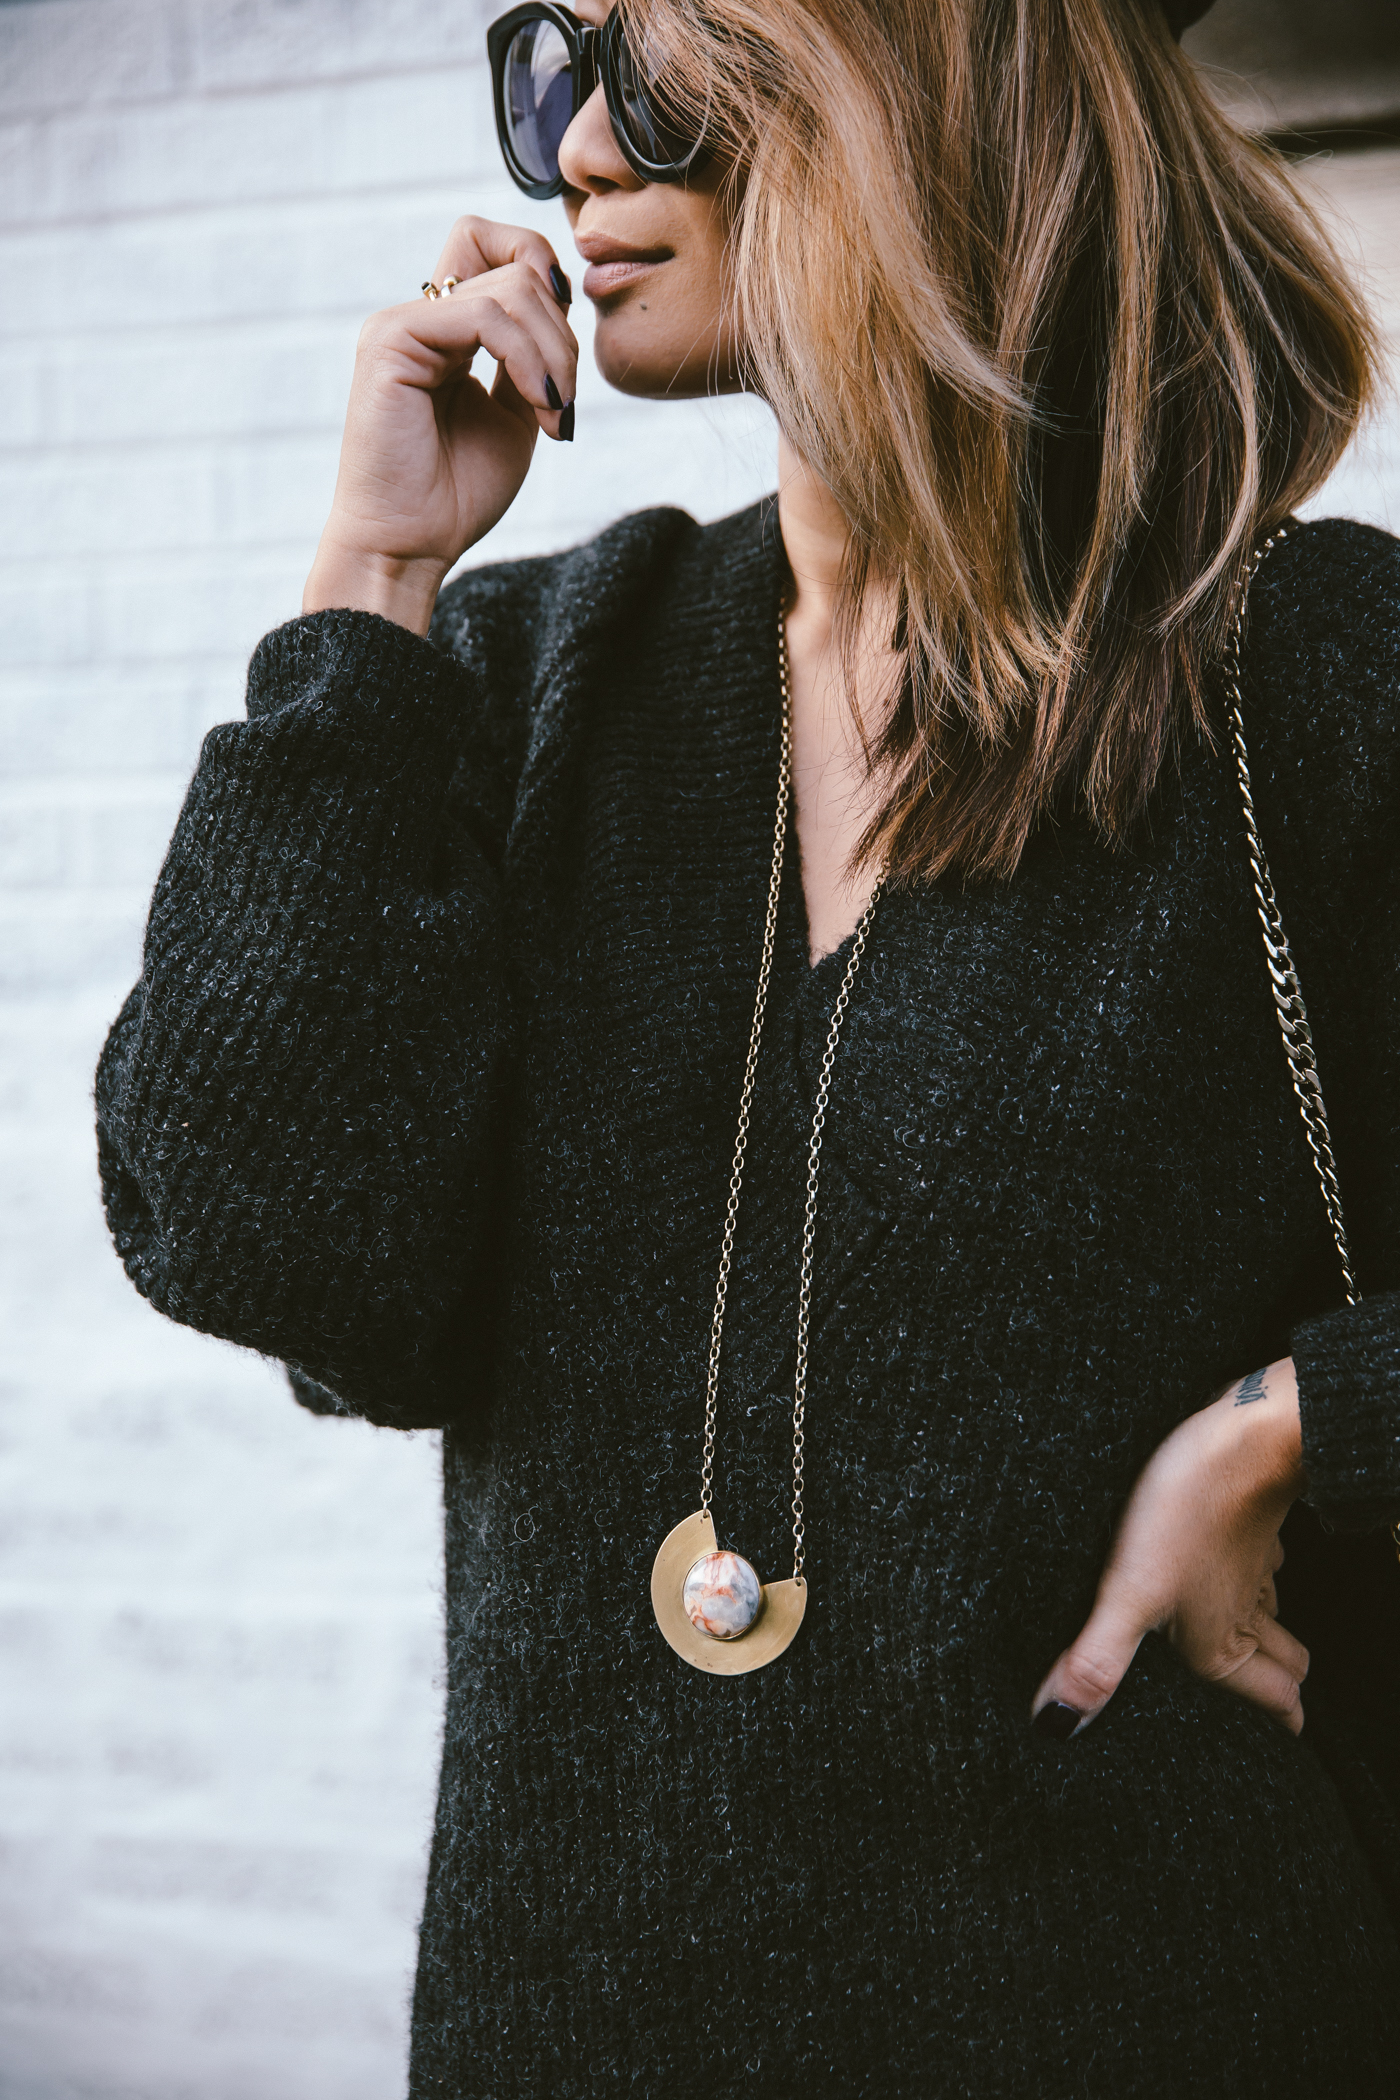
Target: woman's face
(655, 255)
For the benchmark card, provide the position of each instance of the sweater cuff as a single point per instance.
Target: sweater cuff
(322, 655)
(1348, 1366)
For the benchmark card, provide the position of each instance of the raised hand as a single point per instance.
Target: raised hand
(431, 458)
(1194, 1557)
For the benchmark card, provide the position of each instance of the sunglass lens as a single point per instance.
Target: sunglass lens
(539, 98)
(638, 104)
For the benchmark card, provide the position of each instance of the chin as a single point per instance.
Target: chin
(632, 361)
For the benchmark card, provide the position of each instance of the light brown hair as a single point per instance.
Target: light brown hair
(1061, 340)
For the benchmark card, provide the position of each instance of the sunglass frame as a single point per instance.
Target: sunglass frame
(594, 55)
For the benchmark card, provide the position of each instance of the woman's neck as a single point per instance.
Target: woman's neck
(834, 795)
(815, 538)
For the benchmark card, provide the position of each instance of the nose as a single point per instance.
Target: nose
(589, 158)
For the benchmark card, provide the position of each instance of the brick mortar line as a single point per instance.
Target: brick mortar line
(195, 322)
(92, 669)
(85, 222)
(40, 681)
(278, 318)
(202, 564)
(249, 208)
(90, 564)
(123, 790)
(202, 448)
(44, 113)
(193, 442)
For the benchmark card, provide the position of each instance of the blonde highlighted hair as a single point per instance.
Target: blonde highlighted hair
(1061, 340)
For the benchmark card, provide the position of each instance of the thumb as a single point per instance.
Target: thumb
(1084, 1678)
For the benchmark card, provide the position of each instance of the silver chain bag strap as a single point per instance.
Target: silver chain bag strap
(1283, 976)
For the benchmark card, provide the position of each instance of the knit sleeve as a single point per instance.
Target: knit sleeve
(1329, 657)
(1348, 1366)
(300, 1104)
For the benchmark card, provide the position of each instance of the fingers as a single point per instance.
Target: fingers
(477, 245)
(1086, 1676)
(1279, 1645)
(1268, 1669)
(511, 315)
(550, 364)
(519, 270)
(1264, 1662)
(1268, 1683)
(1269, 1673)
(494, 321)
(559, 350)
(1083, 1680)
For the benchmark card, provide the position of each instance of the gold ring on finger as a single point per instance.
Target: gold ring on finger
(449, 286)
(430, 290)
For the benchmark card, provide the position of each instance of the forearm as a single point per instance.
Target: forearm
(298, 1106)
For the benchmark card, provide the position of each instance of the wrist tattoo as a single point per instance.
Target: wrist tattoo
(1251, 1388)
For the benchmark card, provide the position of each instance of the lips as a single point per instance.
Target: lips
(613, 265)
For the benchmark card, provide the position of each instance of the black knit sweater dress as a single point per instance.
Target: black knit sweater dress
(429, 1089)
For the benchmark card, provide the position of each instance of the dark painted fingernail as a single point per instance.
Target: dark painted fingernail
(560, 285)
(1057, 1720)
(566, 423)
(551, 393)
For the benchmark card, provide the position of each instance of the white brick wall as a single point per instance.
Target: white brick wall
(218, 1616)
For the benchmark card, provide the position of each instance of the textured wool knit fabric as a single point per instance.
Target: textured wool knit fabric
(429, 1089)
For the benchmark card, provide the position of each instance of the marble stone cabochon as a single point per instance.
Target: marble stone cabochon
(722, 1596)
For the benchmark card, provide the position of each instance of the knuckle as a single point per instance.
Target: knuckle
(1092, 1676)
(1224, 1661)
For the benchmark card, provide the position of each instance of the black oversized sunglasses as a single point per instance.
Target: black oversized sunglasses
(545, 64)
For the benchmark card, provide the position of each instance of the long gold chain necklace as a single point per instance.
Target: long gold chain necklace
(709, 1603)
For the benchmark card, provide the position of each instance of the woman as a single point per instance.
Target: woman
(429, 1083)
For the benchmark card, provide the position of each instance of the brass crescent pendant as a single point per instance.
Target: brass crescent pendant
(771, 1632)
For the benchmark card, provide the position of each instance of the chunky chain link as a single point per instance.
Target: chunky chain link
(1283, 977)
(1283, 982)
(736, 1177)
(1289, 1006)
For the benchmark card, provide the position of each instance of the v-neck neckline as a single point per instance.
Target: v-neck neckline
(796, 919)
(775, 564)
(827, 963)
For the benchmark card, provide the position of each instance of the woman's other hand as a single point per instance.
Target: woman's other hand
(1194, 1557)
(431, 459)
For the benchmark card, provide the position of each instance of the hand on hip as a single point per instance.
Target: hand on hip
(1194, 1557)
